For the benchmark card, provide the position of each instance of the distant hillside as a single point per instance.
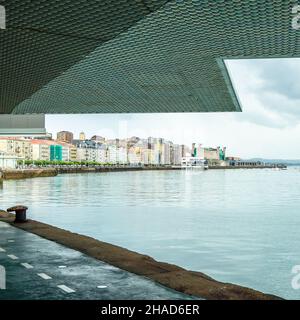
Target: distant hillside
(283, 161)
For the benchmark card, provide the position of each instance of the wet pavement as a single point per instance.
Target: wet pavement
(40, 269)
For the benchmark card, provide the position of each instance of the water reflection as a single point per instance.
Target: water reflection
(236, 225)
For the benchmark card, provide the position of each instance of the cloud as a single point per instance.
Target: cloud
(269, 91)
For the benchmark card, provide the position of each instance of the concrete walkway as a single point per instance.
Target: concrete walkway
(40, 269)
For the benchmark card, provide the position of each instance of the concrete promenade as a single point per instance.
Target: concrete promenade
(37, 268)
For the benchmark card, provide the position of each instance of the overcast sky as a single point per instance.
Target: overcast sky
(269, 126)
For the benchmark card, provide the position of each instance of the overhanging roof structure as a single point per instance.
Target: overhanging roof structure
(16, 125)
(106, 56)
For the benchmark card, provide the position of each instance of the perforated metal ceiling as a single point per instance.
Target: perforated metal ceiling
(79, 56)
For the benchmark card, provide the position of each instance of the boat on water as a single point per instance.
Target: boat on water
(194, 163)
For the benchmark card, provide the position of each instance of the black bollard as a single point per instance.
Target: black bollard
(20, 213)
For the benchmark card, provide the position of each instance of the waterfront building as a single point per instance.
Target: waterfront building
(166, 153)
(101, 154)
(145, 156)
(65, 153)
(21, 148)
(154, 157)
(112, 154)
(69, 151)
(40, 150)
(156, 145)
(8, 161)
(72, 153)
(176, 154)
(134, 155)
(91, 150)
(65, 136)
(82, 154)
(185, 151)
(86, 154)
(122, 155)
(81, 136)
(211, 154)
(200, 151)
(56, 152)
(215, 153)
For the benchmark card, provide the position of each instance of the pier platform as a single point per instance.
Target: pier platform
(39, 269)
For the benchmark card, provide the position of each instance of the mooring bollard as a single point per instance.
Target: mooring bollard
(20, 213)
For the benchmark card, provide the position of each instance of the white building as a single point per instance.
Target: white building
(122, 155)
(65, 153)
(112, 154)
(101, 155)
(176, 154)
(166, 152)
(8, 161)
(20, 148)
(86, 154)
(40, 150)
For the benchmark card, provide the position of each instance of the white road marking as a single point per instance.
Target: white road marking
(101, 287)
(65, 288)
(27, 265)
(44, 276)
(12, 256)
(2, 250)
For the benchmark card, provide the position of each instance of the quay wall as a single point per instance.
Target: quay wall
(242, 167)
(14, 174)
(28, 173)
(112, 169)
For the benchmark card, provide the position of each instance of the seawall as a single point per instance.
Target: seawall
(10, 174)
(169, 275)
(28, 173)
(15, 174)
(241, 167)
(112, 169)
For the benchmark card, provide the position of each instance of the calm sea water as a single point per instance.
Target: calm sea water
(240, 226)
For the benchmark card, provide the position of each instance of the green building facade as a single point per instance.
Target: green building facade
(56, 153)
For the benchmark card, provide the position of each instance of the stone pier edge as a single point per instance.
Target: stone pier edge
(168, 275)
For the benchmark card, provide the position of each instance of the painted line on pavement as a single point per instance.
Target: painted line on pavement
(12, 256)
(27, 265)
(65, 288)
(44, 276)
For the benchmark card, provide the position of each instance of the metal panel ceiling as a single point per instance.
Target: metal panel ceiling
(71, 56)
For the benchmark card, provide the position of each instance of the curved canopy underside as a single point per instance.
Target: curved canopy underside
(106, 56)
